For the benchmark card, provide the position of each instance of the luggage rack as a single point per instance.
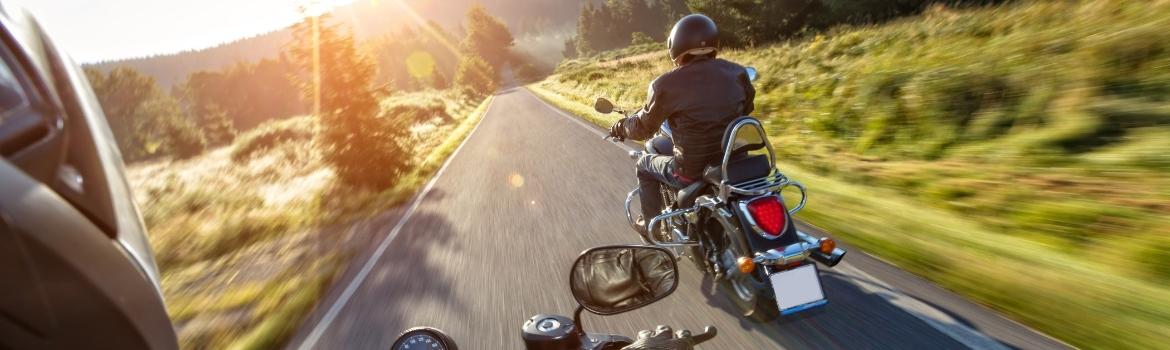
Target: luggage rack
(776, 181)
(761, 185)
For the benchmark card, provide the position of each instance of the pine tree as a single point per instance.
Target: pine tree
(475, 76)
(586, 34)
(363, 149)
(487, 37)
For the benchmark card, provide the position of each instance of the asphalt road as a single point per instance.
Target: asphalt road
(490, 243)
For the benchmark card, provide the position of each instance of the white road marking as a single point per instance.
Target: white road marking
(937, 319)
(593, 129)
(933, 317)
(356, 282)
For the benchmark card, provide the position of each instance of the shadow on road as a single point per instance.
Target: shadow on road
(408, 280)
(849, 308)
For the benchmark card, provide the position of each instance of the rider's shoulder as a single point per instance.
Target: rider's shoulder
(670, 75)
(727, 63)
(657, 82)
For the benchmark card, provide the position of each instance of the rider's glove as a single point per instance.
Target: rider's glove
(618, 131)
(662, 339)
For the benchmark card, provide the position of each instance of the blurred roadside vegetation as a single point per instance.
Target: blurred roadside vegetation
(253, 203)
(1013, 153)
(603, 27)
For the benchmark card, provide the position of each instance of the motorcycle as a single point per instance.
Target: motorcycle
(735, 225)
(605, 280)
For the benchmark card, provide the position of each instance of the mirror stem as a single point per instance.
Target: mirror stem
(577, 328)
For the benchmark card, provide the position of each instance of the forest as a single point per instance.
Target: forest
(615, 24)
(208, 108)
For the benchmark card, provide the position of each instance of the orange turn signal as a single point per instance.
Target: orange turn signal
(746, 265)
(827, 245)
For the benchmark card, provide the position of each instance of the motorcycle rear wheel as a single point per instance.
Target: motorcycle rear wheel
(749, 293)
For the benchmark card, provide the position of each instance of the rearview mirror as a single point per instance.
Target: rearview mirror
(603, 105)
(752, 74)
(615, 279)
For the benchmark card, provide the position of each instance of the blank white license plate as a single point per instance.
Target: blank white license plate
(797, 289)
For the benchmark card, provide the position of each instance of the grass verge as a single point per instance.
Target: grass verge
(249, 236)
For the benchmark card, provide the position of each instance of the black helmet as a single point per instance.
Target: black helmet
(694, 34)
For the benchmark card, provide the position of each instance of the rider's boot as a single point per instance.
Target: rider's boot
(640, 227)
(713, 267)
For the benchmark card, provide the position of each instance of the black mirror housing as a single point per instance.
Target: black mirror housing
(603, 106)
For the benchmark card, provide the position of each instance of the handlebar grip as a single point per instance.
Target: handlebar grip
(708, 333)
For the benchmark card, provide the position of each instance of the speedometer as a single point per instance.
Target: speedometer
(424, 338)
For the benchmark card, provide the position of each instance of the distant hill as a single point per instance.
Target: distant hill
(368, 19)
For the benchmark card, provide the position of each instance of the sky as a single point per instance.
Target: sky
(96, 30)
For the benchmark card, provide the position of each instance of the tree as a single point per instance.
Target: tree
(121, 93)
(672, 11)
(475, 76)
(216, 125)
(612, 24)
(752, 22)
(410, 58)
(487, 37)
(146, 122)
(586, 31)
(363, 149)
(439, 80)
(569, 51)
(640, 38)
(247, 93)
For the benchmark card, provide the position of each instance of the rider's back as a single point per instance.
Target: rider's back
(703, 96)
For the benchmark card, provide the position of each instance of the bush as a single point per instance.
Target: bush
(185, 140)
(475, 77)
(410, 112)
(640, 38)
(271, 134)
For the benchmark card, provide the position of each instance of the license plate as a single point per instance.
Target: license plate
(798, 289)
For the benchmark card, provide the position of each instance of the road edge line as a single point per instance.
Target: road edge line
(326, 320)
(577, 120)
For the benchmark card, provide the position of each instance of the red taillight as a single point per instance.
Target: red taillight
(769, 214)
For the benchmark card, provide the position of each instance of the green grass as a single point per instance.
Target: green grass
(245, 235)
(1013, 154)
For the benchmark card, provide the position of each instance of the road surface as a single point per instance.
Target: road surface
(489, 244)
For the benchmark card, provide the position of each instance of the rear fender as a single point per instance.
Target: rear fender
(756, 242)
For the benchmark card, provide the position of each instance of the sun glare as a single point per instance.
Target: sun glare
(319, 7)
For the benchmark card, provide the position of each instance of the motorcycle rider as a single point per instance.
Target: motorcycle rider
(699, 98)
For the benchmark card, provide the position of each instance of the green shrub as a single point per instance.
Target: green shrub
(185, 140)
(271, 134)
(409, 112)
(475, 76)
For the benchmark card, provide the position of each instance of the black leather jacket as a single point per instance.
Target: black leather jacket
(698, 99)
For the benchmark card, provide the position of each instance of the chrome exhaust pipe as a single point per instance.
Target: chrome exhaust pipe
(831, 259)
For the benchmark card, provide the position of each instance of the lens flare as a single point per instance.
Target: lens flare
(516, 180)
(420, 64)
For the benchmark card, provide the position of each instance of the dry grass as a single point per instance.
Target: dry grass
(250, 235)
